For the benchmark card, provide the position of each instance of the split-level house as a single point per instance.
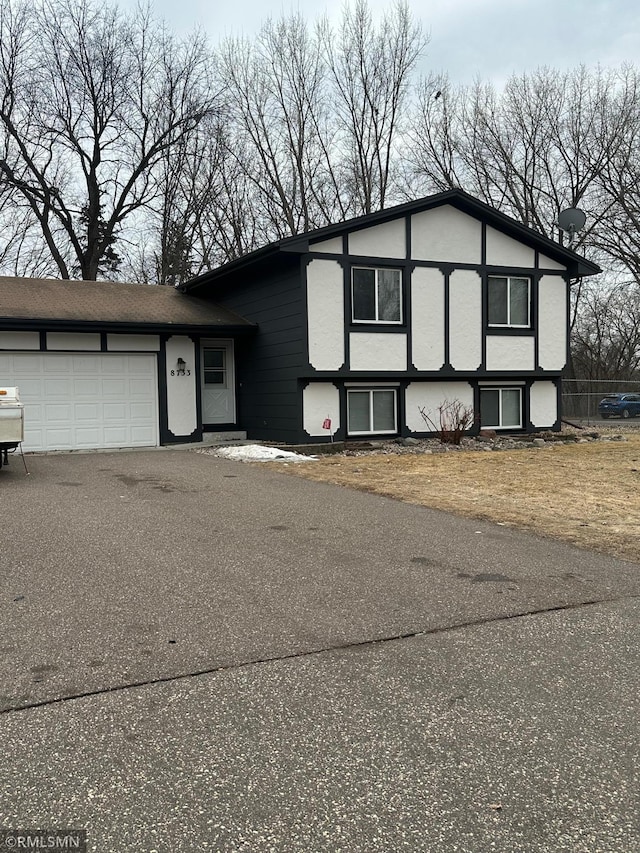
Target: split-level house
(345, 332)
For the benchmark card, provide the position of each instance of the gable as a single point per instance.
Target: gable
(504, 251)
(387, 240)
(446, 234)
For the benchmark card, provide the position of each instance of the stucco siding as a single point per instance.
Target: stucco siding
(182, 417)
(446, 234)
(546, 263)
(20, 340)
(427, 319)
(381, 352)
(133, 343)
(325, 314)
(543, 403)
(429, 396)
(380, 241)
(465, 320)
(552, 322)
(333, 246)
(507, 252)
(320, 400)
(510, 353)
(77, 341)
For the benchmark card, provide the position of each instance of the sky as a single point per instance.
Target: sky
(490, 39)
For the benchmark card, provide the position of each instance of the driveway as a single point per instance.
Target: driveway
(227, 658)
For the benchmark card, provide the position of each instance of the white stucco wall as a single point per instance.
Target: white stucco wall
(19, 340)
(552, 322)
(510, 353)
(505, 251)
(427, 318)
(133, 343)
(543, 404)
(320, 400)
(331, 247)
(79, 341)
(181, 390)
(388, 240)
(372, 351)
(446, 234)
(465, 320)
(430, 395)
(325, 314)
(546, 263)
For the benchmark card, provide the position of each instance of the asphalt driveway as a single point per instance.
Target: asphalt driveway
(232, 659)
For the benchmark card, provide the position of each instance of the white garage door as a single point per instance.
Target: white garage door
(77, 401)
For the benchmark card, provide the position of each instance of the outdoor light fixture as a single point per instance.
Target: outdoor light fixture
(181, 367)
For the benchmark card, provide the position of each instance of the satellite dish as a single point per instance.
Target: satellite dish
(571, 220)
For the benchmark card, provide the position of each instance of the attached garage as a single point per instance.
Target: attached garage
(110, 365)
(82, 401)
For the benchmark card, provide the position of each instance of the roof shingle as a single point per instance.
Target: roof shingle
(108, 302)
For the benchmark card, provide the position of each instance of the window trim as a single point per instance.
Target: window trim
(370, 391)
(509, 324)
(377, 321)
(501, 389)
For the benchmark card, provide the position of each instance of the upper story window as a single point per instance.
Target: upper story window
(509, 301)
(376, 295)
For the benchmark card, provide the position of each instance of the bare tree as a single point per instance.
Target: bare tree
(90, 99)
(606, 335)
(277, 136)
(541, 144)
(371, 72)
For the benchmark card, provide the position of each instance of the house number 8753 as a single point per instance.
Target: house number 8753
(181, 373)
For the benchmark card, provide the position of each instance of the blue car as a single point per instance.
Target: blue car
(619, 406)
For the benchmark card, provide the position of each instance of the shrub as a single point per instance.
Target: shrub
(450, 422)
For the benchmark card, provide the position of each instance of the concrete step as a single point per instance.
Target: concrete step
(226, 437)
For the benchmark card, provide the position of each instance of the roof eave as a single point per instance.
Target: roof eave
(49, 324)
(576, 264)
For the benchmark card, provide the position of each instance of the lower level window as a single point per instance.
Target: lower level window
(501, 408)
(371, 411)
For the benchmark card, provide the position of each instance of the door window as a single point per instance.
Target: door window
(215, 366)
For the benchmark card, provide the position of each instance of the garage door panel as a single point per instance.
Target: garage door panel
(90, 364)
(140, 411)
(33, 437)
(116, 388)
(115, 436)
(141, 388)
(85, 401)
(54, 388)
(58, 412)
(86, 412)
(84, 388)
(53, 363)
(32, 389)
(142, 436)
(61, 439)
(115, 411)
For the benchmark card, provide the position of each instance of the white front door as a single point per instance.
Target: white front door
(218, 383)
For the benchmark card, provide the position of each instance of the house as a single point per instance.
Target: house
(346, 331)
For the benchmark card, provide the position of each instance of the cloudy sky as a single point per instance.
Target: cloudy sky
(487, 38)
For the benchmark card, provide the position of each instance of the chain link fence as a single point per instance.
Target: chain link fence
(580, 397)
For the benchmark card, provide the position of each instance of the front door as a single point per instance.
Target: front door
(218, 383)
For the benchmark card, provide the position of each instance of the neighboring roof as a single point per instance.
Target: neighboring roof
(28, 302)
(577, 265)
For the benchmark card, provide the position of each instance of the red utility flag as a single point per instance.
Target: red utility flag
(326, 423)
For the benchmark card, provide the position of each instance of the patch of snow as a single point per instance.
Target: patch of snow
(258, 453)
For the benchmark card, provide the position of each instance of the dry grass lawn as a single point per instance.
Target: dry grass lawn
(586, 494)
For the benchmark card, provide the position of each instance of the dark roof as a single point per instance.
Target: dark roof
(43, 302)
(576, 264)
